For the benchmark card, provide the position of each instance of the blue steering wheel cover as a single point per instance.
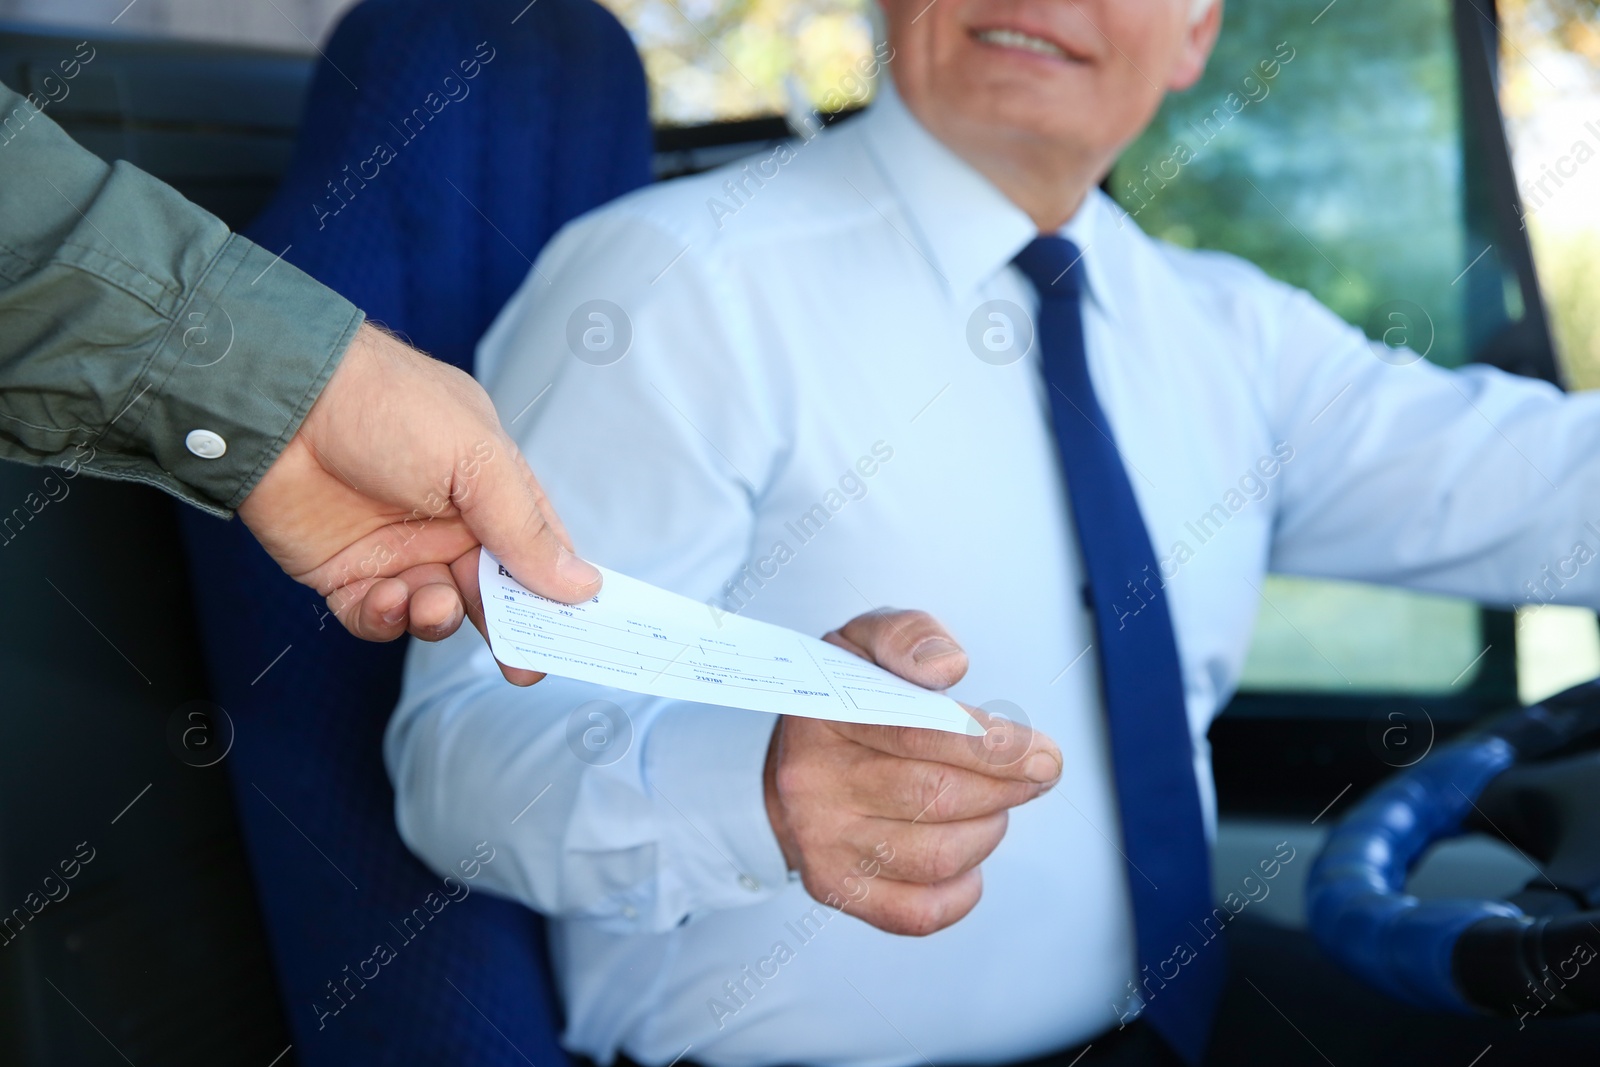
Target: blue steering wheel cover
(1356, 902)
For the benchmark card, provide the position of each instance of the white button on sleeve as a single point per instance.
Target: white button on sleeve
(205, 444)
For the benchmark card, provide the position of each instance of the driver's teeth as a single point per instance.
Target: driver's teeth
(1018, 39)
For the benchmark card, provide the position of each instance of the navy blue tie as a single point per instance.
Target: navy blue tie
(1181, 962)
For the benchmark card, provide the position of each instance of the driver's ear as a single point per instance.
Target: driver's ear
(1205, 22)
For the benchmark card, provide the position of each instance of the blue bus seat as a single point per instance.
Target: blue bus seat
(502, 122)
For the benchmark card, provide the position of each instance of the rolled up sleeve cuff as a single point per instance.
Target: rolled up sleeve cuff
(704, 768)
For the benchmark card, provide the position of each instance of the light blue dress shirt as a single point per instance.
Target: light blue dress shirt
(817, 415)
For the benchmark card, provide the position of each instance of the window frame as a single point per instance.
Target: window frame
(1278, 753)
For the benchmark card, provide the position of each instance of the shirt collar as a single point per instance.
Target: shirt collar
(964, 225)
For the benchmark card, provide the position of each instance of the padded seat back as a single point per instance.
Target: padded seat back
(443, 144)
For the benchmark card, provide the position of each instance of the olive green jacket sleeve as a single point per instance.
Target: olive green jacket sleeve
(139, 338)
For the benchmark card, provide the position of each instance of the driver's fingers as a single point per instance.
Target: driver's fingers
(912, 644)
(1028, 755)
(909, 908)
(933, 852)
(925, 791)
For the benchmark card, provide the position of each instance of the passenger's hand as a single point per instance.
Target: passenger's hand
(894, 819)
(381, 500)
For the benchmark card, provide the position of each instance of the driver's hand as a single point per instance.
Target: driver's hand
(915, 811)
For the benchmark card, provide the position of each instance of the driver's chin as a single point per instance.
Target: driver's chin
(1001, 117)
(1007, 98)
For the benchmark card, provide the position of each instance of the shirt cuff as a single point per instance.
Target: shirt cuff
(704, 767)
(247, 355)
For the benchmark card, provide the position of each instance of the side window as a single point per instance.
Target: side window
(1342, 154)
(722, 60)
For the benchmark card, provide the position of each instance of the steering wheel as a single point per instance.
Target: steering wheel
(1531, 777)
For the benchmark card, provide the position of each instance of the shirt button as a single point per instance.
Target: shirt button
(749, 883)
(205, 444)
(630, 912)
